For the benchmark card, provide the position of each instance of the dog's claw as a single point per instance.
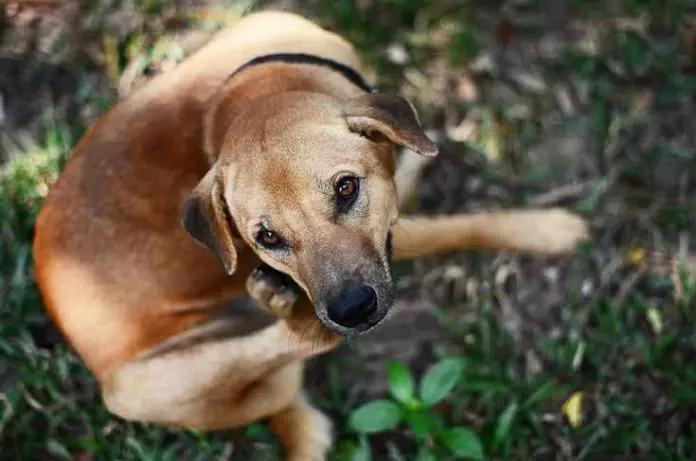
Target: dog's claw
(273, 290)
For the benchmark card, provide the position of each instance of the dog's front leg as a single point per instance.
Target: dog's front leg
(273, 290)
(547, 232)
(206, 381)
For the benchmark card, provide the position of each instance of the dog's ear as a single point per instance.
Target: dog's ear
(391, 116)
(207, 220)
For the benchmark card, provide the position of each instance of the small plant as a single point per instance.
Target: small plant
(415, 408)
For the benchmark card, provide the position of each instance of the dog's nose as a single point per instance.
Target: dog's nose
(354, 306)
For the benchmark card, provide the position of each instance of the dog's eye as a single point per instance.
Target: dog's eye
(347, 189)
(268, 239)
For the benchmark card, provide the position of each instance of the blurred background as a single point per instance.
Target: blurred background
(576, 103)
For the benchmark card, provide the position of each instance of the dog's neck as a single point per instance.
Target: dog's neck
(268, 75)
(307, 59)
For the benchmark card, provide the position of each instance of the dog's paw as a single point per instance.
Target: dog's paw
(272, 290)
(314, 435)
(319, 441)
(560, 231)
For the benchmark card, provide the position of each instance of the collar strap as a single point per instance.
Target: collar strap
(301, 58)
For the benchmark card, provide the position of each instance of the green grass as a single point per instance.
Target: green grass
(626, 346)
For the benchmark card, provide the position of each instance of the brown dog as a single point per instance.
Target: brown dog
(269, 147)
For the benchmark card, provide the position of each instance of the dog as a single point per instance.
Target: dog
(264, 163)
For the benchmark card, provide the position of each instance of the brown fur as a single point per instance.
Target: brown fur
(140, 300)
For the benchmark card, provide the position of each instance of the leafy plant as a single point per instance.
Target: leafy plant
(415, 407)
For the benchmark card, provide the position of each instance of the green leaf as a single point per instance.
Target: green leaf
(362, 452)
(353, 450)
(376, 416)
(401, 383)
(423, 423)
(57, 449)
(255, 431)
(426, 455)
(461, 441)
(440, 379)
(504, 423)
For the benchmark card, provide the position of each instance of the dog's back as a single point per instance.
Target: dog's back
(105, 224)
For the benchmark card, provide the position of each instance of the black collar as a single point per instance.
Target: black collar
(301, 58)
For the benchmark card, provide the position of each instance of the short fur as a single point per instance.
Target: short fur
(141, 299)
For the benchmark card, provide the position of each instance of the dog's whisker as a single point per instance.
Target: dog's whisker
(318, 337)
(311, 336)
(306, 329)
(290, 340)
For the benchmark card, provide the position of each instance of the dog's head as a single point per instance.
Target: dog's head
(307, 182)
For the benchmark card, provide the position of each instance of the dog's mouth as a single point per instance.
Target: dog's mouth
(362, 303)
(357, 308)
(358, 305)
(354, 307)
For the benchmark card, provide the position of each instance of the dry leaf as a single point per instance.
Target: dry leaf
(397, 54)
(642, 102)
(572, 409)
(579, 355)
(467, 90)
(655, 320)
(464, 132)
(636, 256)
(505, 32)
(528, 81)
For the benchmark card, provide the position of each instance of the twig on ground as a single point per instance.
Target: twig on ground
(605, 278)
(8, 411)
(561, 194)
(628, 285)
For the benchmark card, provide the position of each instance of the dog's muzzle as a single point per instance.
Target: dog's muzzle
(356, 305)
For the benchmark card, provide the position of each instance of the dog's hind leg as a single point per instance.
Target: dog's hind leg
(304, 431)
(205, 381)
(535, 231)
